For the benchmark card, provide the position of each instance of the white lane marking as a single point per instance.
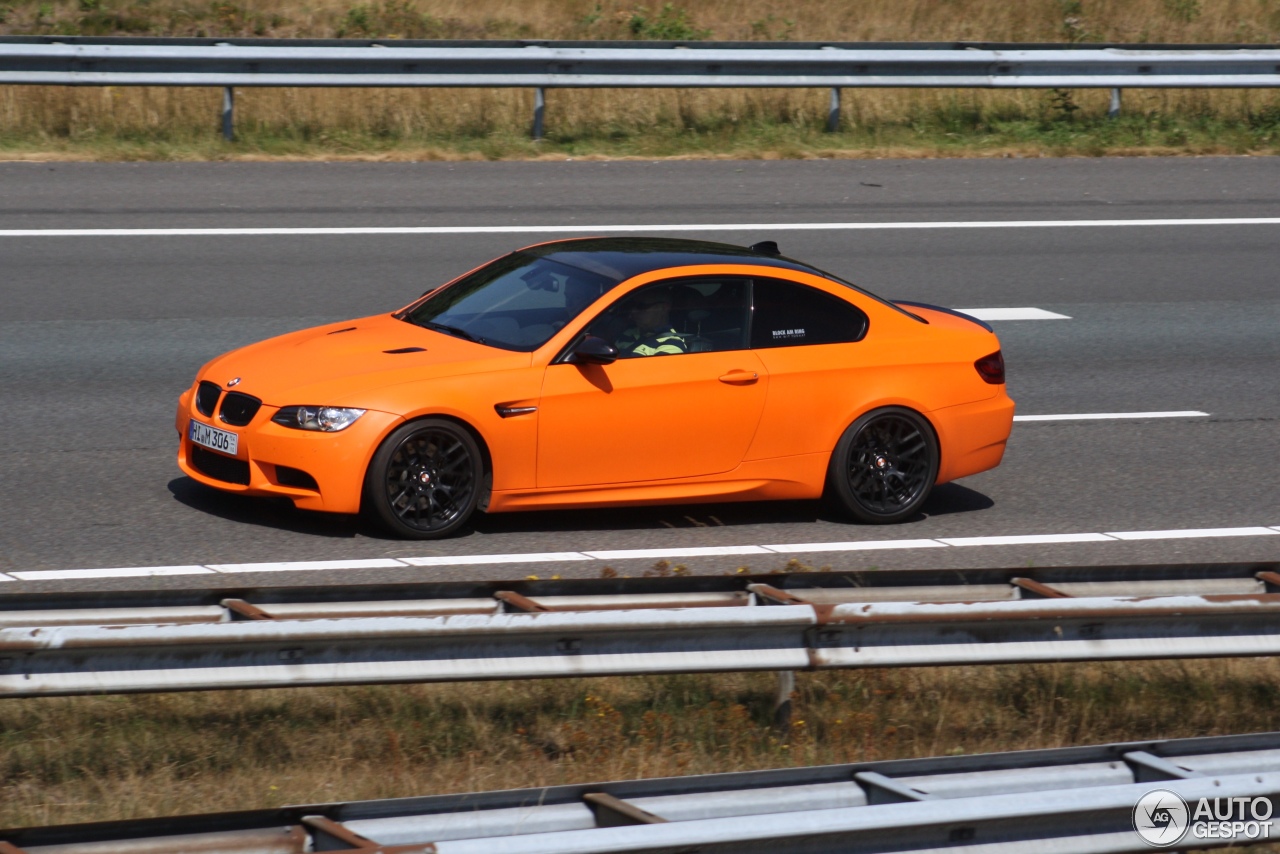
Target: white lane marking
(1091, 416)
(4, 577)
(1192, 533)
(118, 572)
(293, 566)
(1025, 539)
(471, 560)
(640, 554)
(1013, 314)
(603, 229)
(866, 545)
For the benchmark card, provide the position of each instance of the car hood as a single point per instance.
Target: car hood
(343, 363)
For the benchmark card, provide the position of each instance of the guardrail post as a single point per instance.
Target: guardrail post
(782, 700)
(1113, 111)
(229, 114)
(833, 111)
(539, 104)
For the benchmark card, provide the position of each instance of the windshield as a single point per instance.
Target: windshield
(516, 302)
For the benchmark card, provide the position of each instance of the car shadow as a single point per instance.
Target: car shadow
(278, 513)
(954, 498)
(652, 517)
(945, 500)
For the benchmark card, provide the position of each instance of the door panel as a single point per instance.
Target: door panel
(648, 418)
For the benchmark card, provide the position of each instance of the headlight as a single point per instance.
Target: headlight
(326, 419)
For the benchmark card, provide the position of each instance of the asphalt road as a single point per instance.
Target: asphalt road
(99, 334)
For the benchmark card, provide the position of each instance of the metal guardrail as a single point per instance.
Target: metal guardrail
(637, 626)
(85, 604)
(542, 65)
(1079, 799)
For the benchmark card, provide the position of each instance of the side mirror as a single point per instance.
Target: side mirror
(593, 350)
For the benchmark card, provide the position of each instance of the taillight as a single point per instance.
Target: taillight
(991, 368)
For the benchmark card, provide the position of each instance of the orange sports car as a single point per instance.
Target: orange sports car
(607, 371)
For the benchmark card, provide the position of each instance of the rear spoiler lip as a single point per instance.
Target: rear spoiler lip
(950, 311)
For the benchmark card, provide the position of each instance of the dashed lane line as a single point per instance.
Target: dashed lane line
(641, 554)
(290, 566)
(1192, 533)
(997, 314)
(856, 546)
(1025, 539)
(1104, 416)
(472, 560)
(117, 572)
(650, 554)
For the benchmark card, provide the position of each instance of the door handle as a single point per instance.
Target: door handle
(740, 377)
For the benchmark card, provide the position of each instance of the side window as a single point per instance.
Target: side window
(699, 315)
(786, 314)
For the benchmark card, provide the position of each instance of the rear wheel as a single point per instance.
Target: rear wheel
(884, 465)
(424, 480)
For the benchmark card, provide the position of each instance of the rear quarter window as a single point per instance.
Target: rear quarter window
(787, 314)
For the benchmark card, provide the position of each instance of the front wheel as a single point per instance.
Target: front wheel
(884, 465)
(424, 480)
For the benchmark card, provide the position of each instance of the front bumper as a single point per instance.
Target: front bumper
(270, 457)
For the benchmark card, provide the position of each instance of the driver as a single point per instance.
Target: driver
(651, 332)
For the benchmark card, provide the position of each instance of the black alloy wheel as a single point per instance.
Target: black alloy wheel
(424, 480)
(884, 465)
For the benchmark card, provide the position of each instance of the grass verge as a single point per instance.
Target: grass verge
(87, 759)
(927, 136)
(112, 123)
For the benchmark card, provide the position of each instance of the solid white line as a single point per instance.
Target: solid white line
(1192, 533)
(1012, 314)
(640, 554)
(117, 572)
(608, 229)
(471, 560)
(1025, 539)
(374, 563)
(1091, 416)
(635, 554)
(866, 545)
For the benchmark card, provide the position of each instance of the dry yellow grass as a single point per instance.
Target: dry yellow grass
(126, 123)
(804, 20)
(82, 759)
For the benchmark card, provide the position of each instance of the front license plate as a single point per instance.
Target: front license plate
(214, 439)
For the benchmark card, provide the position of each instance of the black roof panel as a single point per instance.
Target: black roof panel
(621, 258)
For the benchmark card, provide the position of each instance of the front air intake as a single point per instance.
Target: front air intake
(218, 467)
(297, 478)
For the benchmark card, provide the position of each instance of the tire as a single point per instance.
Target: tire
(424, 481)
(884, 466)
